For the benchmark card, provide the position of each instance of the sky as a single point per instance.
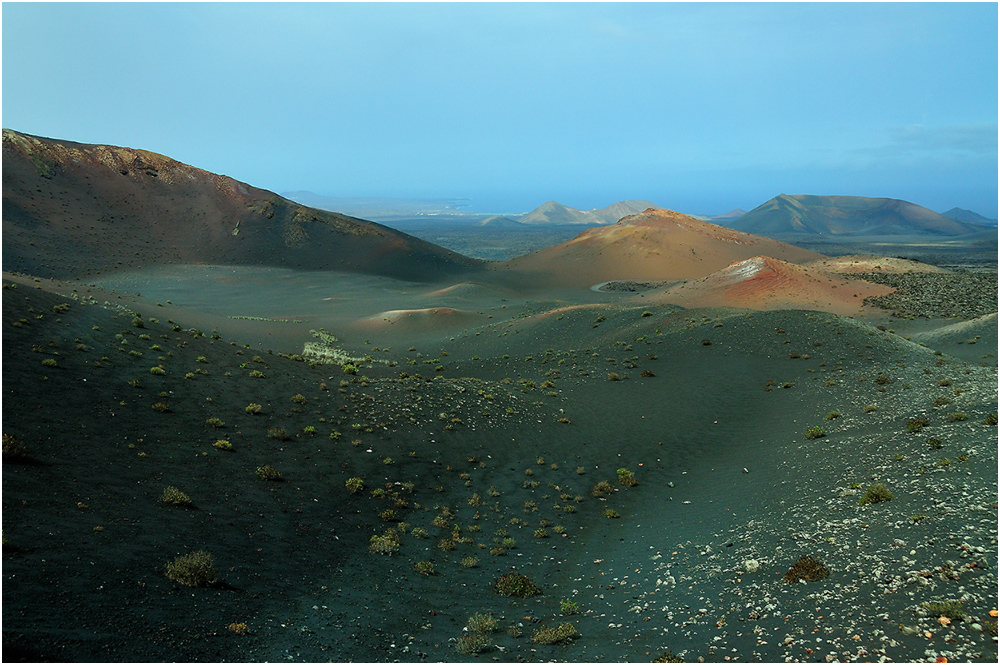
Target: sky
(700, 107)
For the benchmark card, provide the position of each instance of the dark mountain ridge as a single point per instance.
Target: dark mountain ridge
(71, 209)
(846, 216)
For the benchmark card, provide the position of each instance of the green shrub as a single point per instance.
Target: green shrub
(253, 408)
(941, 401)
(300, 399)
(223, 444)
(195, 569)
(419, 532)
(815, 433)
(613, 376)
(561, 633)
(174, 497)
(354, 485)
(277, 433)
(49, 362)
(934, 443)
(482, 623)
(424, 567)
(158, 370)
(256, 374)
(541, 533)
(991, 420)
(806, 568)
(883, 380)
(386, 543)
(627, 478)
(349, 368)
(945, 608)
(876, 493)
(668, 657)
(472, 643)
(567, 606)
(469, 562)
(957, 417)
(870, 408)
(267, 472)
(516, 585)
(602, 488)
(611, 514)
(917, 424)
(833, 415)
(215, 423)
(161, 407)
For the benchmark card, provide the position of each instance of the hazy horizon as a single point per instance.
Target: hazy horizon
(700, 108)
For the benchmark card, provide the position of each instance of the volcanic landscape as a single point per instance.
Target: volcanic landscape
(236, 428)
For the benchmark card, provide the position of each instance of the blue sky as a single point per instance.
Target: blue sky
(698, 107)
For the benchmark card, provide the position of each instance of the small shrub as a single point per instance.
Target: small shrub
(355, 485)
(627, 478)
(883, 380)
(611, 514)
(13, 447)
(419, 532)
(158, 370)
(516, 585)
(386, 543)
(934, 443)
(991, 420)
(945, 608)
(956, 417)
(815, 433)
(706, 342)
(482, 623)
(49, 362)
(469, 562)
(253, 409)
(267, 472)
(833, 415)
(196, 569)
(277, 433)
(541, 533)
(161, 407)
(668, 657)
(215, 423)
(806, 568)
(602, 488)
(870, 408)
(561, 633)
(567, 606)
(944, 382)
(300, 399)
(174, 497)
(239, 628)
(941, 401)
(917, 424)
(472, 643)
(646, 374)
(223, 444)
(424, 567)
(876, 493)
(256, 374)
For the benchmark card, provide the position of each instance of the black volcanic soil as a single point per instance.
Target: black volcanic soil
(474, 434)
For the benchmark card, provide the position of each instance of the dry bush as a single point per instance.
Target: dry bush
(195, 569)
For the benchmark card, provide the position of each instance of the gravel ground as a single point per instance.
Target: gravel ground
(929, 295)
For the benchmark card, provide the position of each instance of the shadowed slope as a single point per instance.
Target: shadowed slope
(764, 283)
(846, 215)
(71, 209)
(655, 244)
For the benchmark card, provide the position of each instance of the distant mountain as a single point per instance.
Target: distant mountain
(498, 221)
(556, 213)
(963, 215)
(846, 216)
(655, 244)
(732, 214)
(71, 209)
